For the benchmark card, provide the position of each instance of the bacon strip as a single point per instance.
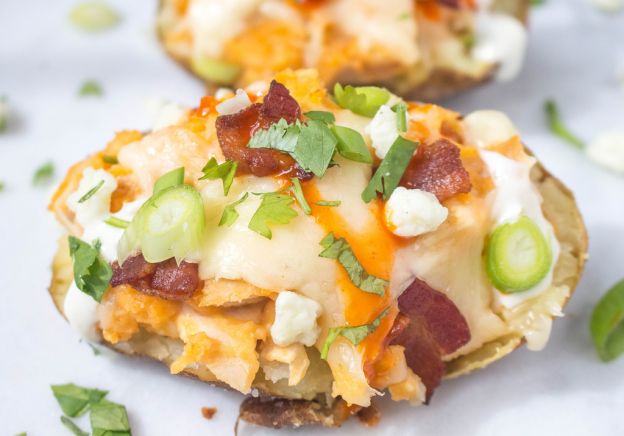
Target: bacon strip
(234, 132)
(437, 168)
(166, 279)
(429, 326)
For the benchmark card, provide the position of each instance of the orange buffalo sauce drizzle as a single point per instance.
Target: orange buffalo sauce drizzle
(375, 249)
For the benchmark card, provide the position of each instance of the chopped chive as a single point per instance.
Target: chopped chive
(117, 222)
(298, 191)
(91, 192)
(328, 203)
(558, 127)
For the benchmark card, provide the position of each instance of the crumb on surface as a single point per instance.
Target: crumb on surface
(208, 412)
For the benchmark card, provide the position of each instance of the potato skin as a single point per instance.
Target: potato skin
(272, 408)
(438, 84)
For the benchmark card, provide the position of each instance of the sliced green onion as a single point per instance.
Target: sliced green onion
(324, 116)
(117, 222)
(351, 145)
(91, 192)
(361, 100)
(401, 112)
(170, 224)
(93, 16)
(298, 191)
(607, 323)
(170, 179)
(328, 203)
(558, 127)
(111, 160)
(213, 70)
(518, 256)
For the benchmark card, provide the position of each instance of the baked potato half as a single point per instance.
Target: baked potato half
(423, 50)
(281, 315)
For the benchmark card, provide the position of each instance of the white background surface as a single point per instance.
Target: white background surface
(574, 55)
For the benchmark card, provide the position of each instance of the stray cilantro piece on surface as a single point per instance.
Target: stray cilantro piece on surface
(225, 171)
(108, 418)
(340, 250)
(71, 426)
(361, 100)
(90, 88)
(230, 214)
(324, 116)
(275, 208)
(92, 273)
(328, 203)
(351, 145)
(93, 16)
(43, 174)
(96, 350)
(298, 192)
(355, 334)
(91, 192)
(607, 323)
(390, 171)
(557, 126)
(76, 400)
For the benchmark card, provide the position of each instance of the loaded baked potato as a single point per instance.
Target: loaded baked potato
(424, 49)
(279, 243)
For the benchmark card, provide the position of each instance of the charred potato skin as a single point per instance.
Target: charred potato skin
(438, 84)
(272, 409)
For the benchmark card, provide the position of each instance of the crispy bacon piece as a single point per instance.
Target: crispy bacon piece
(437, 168)
(234, 132)
(429, 326)
(166, 279)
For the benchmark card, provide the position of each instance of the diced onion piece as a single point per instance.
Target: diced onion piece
(214, 70)
(170, 224)
(518, 256)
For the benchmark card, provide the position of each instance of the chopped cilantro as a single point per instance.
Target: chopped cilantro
(92, 273)
(388, 175)
(76, 400)
(324, 116)
(351, 145)
(225, 171)
(108, 418)
(90, 88)
(340, 250)
(298, 192)
(355, 334)
(275, 208)
(43, 174)
(230, 214)
(71, 426)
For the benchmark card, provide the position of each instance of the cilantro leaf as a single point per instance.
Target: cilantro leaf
(355, 334)
(230, 215)
(90, 88)
(279, 136)
(76, 400)
(108, 419)
(340, 250)
(401, 113)
(315, 147)
(558, 127)
(298, 192)
(361, 100)
(71, 426)
(92, 273)
(388, 175)
(328, 203)
(275, 208)
(323, 116)
(43, 174)
(351, 145)
(225, 171)
(91, 192)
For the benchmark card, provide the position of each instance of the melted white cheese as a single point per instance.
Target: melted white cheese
(81, 313)
(215, 22)
(376, 23)
(514, 196)
(500, 39)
